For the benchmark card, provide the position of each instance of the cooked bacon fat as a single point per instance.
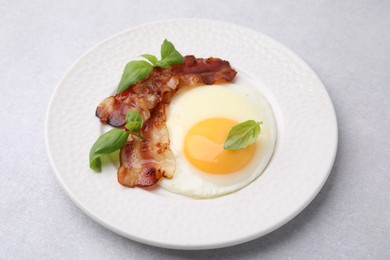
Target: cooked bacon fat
(144, 162)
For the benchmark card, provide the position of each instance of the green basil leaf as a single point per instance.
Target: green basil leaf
(96, 164)
(242, 135)
(134, 71)
(153, 59)
(162, 64)
(134, 126)
(134, 120)
(169, 54)
(107, 143)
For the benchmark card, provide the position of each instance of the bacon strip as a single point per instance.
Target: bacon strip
(143, 163)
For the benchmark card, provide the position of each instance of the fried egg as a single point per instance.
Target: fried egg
(199, 120)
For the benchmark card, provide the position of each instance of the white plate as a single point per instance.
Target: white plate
(306, 144)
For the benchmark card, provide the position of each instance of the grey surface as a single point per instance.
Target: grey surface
(346, 42)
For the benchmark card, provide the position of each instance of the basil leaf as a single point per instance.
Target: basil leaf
(134, 72)
(162, 64)
(242, 135)
(169, 54)
(134, 126)
(96, 165)
(107, 143)
(153, 59)
(134, 120)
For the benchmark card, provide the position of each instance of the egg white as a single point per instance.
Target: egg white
(231, 101)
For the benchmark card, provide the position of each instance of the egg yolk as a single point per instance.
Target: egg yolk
(203, 147)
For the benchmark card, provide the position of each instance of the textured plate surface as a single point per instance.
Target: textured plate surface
(306, 145)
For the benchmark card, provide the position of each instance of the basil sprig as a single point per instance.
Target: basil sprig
(139, 70)
(134, 71)
(114, 140)
(169, 55)
(107, 143)
(242, 135)
(134, 123)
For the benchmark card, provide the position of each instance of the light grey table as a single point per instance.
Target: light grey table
(346, 42)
